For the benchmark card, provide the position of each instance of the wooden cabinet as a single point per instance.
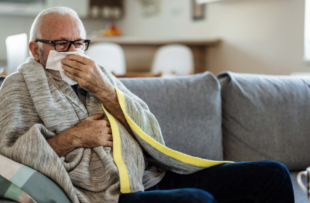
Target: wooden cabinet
(106, 9)
(139, 52)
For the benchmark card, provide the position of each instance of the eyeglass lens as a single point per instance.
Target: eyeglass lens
(64, 45)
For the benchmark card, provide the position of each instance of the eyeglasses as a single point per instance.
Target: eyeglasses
(64, 45)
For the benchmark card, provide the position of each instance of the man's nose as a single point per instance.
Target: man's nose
(72, 48)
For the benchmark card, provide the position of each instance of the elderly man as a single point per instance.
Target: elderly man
(100, 142)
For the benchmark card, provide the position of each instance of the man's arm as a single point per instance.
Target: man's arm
(90, 77)
(111, 103)
(91, 132)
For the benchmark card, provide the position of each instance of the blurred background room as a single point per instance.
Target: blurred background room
(151, 38)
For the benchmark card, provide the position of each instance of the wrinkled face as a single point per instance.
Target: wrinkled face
(57, 27)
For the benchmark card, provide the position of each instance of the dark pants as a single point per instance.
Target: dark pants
(243, 182)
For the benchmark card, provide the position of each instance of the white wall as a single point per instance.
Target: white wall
(11, 25)
(259, 36)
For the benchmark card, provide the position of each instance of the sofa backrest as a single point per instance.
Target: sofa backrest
(266, 118)
(188, 110)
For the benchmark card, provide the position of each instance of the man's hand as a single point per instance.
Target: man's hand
(91, 132)
(88, 75)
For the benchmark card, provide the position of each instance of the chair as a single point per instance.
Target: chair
(16, 50)
(174, 59)
(109, 55)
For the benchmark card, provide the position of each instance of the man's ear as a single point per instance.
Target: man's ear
(34, 48)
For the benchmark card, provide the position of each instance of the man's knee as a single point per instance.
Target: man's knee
(196, 195)
(278, 167)
(281, 173)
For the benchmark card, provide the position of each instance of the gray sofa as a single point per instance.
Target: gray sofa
(237, 117)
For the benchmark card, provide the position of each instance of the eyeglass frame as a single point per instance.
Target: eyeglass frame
(71, 42)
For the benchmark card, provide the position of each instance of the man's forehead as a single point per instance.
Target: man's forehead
(76, 37)
(60, 27)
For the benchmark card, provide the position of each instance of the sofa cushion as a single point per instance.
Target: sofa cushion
(266, 118)
(188, 110)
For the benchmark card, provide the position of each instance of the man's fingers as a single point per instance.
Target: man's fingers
(109, 131)
(110, 137)
(72, 64)
(109, 144)
(105, 123)
(80, 59)
(73, 77)
(95, 117)
(72, 71)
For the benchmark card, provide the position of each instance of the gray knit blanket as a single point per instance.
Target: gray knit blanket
(36, 105)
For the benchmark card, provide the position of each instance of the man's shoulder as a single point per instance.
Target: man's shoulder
(14, 81)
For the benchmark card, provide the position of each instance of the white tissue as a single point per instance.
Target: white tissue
(54, 63)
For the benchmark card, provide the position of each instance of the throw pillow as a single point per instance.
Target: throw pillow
(23, 184)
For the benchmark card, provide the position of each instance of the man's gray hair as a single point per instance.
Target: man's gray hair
(35, 31)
